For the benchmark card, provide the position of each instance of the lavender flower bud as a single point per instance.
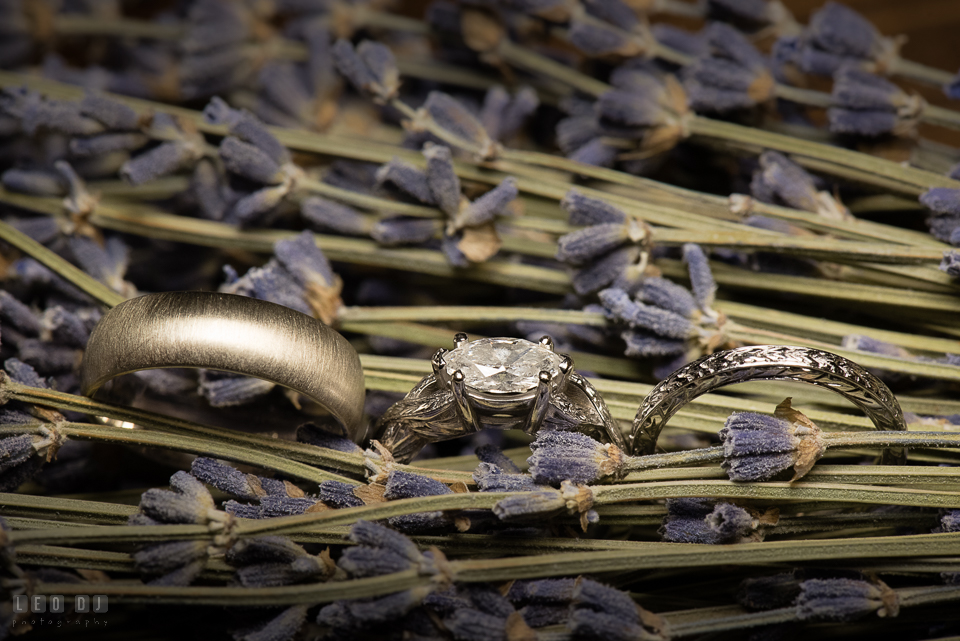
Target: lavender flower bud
(339, 495)
(162, 160)
(854, 88)
(596, 40)
(502, 116)
(107, 143)
(365, 561)
(952, 88)
(942, 200)
(862, 123)
(24, 374)
(734, 75)
(606, 270)
(442, 180)
(838, 29)
(631, 109)
(278, 549)
(691, 43)
(45, 230)
(452, 117)
(38, 182)
(561, 456)
(542, 591)
(645, 345)
(659, 321)
(585, 210)
(845, 600)
(314, 435)
(166, 558)
(328, 215)
(491, 478)
(590, 594)
(588, 624)
(868, 344)
(274, 506)
(301, 257)
(473, 625)
(577, 130)
(769, 592)
(223, 389)
(706, 522)
(247, 128)
(247, 160)
(665, 294)
(401, 230)
(252, 208)
(491, 204)
(402, 485)
(494, 455)
(46, 358)
(758, 447)
(213, 24)
(18, 315)
(14, 451)
(371, 68)
(701, 278)
(950, 264)
(112, 114)
(408, 179)
(172, 507)
(61, 117)
(780, 180)
(64, 328)
(226, 478)
(583, 245)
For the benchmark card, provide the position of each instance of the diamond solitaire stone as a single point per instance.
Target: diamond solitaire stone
(503, 365)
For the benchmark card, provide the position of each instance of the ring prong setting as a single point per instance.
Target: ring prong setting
(437, 362)
(467, 414)
(541, 403)
(546, 341)
(459, 339)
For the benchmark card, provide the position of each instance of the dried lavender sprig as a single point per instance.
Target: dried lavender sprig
(183, 443)
(299, 452)
(604, 494)
(74, 275)
(563, 564)
(308, 141)
(749, 315)
(533, 277)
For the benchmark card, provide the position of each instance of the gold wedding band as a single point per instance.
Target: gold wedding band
(231, 333)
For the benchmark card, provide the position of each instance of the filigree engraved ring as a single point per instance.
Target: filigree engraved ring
(768, 362)
(500, 383)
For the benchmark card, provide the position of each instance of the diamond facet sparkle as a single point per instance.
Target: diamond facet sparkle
(502, 365)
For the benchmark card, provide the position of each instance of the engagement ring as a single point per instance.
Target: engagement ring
(499, 383)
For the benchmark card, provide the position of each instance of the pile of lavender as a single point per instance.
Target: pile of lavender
(644, 195)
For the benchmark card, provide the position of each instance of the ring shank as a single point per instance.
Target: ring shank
(768, 362)
(231, 333)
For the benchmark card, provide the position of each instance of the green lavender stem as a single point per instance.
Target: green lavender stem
(182, 443)
(86, 283)
(655, 556)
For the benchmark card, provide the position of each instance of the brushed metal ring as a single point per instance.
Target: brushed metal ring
(768, 362)
(234, 334)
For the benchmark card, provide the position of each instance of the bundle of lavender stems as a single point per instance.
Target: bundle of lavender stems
(583, 169)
